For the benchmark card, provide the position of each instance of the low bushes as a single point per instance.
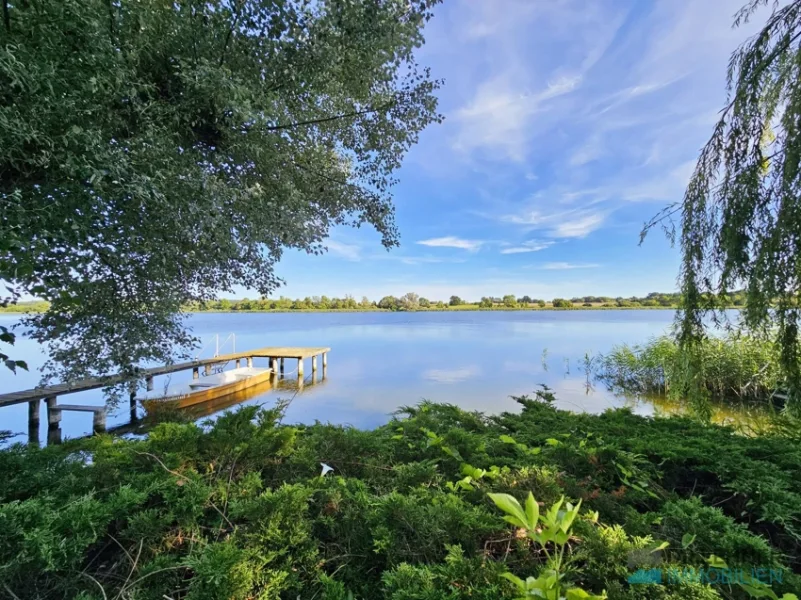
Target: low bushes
(239, 509)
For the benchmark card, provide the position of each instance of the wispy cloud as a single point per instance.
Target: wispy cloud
(347, 251)
(452, 242)
(574, 223)
(529, 246)
(564, 266)
(579, 227)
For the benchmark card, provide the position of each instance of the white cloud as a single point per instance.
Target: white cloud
(579, 227)
(574, 223)
(530, 246)
(347, 251)
(452, 242)
(564, 266)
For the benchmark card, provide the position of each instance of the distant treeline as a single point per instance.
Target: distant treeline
(413, 301)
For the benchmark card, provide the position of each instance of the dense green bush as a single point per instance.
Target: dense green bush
(239, 509)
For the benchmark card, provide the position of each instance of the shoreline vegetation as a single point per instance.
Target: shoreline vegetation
(734, 369)
(412, 302)
(416, 509)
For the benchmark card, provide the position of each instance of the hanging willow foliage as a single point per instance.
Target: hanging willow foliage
(741, 213)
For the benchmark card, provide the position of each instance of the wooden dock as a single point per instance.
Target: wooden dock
(275, 355)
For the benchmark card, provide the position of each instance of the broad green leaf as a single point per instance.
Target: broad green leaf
(716, 562)
(511, 507)
(687, 539)
(532, 511)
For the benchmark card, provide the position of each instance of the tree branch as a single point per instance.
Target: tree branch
(357, 113)
(237, 12)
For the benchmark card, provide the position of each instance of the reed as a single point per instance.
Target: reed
(729, 368)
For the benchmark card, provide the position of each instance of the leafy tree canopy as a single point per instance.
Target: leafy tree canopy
(154, 153)
(741, 213)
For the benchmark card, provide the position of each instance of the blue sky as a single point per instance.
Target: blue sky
(567, 125)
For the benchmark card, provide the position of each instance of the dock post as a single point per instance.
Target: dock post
(149, 383)
(314, 366)
(300, 367)
(99, 421)
(282, 367)
(33, 411)
(33, 422)
(54, 435)
(132, 403)
(207, 370)
(53, 412)
(274, 364)
(195, 373)
(250, 362)
(325, 364)
(237, 363)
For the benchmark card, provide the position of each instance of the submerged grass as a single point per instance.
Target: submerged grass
(731, 368)
(238, 509)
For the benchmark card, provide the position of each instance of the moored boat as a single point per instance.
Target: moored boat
(204, 389)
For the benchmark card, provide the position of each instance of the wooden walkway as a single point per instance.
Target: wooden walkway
(50, 393)
(60, 389)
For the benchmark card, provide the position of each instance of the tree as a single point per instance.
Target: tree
(510, 301)
(455, 301)
(525, 300)
(561, 303)
(425, 303)
(409, 301)
(485, 302)
(389, 302)
(541, 303)
(741, 213)
(224, 304)
(154, 153)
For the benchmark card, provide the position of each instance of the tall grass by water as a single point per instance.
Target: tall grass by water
(730, 368)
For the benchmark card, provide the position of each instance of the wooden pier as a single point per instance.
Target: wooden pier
(50, 394)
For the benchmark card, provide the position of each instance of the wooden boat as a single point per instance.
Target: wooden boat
(205, 389)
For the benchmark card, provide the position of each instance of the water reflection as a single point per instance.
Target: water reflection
(381, 361)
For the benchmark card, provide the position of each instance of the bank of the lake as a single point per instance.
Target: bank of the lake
(240, 510)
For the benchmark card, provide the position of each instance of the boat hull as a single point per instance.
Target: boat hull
(206, 395)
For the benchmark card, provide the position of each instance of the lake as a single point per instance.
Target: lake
(381, 361)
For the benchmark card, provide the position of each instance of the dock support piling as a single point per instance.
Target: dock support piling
(274, 364)
(33, 411)
(149, 383)
(195, 373)
(325, 364)
(53, 412)
(282, 367)
(238, 362)
(300, 367)
(314, 365)
(132, 403)
(99, 421)
(250, 362)
(207, 370)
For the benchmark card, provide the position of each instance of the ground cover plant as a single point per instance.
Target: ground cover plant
(437, 503)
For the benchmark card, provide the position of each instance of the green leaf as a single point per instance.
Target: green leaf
(552, 442)
(716, 562)
(508, 439)
(521, 585)
(532, 511)
(687, 539)
(660, 546)
(511, 507)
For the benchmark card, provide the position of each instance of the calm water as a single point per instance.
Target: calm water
(380, 361)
